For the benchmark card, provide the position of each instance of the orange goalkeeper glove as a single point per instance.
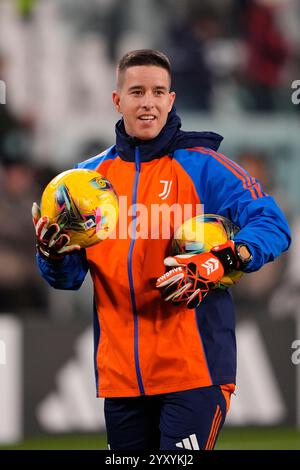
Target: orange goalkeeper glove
(193, 276)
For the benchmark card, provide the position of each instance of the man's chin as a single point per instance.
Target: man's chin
(147, 135)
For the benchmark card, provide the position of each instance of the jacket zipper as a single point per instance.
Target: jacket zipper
(129, 268)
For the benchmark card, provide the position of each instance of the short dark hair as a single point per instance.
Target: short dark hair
(142, 57)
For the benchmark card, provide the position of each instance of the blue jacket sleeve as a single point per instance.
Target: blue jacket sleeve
(230, 191)
(227, 189)
(68, 273)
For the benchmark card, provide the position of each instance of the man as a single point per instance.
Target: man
(166, 370)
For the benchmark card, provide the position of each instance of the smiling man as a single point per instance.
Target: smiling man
(143, 97)
(166, 364)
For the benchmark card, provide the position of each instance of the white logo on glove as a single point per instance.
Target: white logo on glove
(211, 265)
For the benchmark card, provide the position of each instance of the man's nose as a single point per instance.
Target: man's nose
(148, 102)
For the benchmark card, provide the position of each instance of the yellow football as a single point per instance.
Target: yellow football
(83, 203)
(202, 233)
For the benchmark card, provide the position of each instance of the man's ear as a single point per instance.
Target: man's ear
(172, 99)
(116, 100)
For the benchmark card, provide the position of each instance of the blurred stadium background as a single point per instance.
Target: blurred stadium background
(235, 64)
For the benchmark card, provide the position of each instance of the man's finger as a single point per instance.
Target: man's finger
(36, 213)
(175, 295)
(41, 227)
(62, 240)
(170, 277)
(194, 299)
(68, 249)
(179, 260)
(51, 235)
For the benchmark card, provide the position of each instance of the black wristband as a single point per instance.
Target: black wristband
(228, 259)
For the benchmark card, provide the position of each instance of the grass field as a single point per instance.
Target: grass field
(230, 439)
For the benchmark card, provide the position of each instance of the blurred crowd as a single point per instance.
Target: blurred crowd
(57, 58)
(239, 42)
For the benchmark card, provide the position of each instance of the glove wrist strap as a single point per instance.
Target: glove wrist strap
(46, 255)
(228, 259)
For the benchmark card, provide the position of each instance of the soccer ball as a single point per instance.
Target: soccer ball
(83, 203)
(202, 233)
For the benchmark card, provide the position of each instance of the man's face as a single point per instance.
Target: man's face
(144, 100)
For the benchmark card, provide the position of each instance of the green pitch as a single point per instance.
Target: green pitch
(230, 439)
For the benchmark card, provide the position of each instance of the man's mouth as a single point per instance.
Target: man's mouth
(147, 117)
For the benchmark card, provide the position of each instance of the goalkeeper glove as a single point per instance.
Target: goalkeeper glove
(193, 276)
(50, 242)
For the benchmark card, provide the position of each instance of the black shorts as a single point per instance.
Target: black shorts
(189, 420)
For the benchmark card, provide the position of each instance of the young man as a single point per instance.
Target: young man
(166, 368)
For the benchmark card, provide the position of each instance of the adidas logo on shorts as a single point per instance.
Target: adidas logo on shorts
(190, 442)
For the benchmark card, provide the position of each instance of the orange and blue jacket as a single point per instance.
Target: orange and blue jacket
(144, 345)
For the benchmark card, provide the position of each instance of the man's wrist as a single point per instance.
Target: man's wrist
(243, 253)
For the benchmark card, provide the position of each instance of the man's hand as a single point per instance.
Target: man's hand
(51, 243)
(192, 276)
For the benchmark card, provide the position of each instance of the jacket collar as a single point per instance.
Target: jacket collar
(168, 140)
